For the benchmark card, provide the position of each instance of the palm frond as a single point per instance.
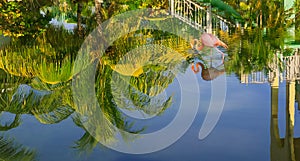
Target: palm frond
(15, 123)
(11, 151)
(85, 145)
(55, 116)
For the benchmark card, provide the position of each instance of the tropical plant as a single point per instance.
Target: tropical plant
(255, 53)
(12, 151)
(22, 18)
(297, 20)
(15, 123)
(49, 58)
(105, 117)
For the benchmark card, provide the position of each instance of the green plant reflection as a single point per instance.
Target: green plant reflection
(36, 67)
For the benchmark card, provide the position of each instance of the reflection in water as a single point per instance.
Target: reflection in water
(12, 151)
(211, 64)
(282, 149)
(43, 90)
(134, 81)
(126, 90)
(286, 148)
(48, 58)
(207, 73)
(131, 81)
(36, 75)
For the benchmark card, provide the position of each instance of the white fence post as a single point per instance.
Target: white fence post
(209, 20)
(172, 7)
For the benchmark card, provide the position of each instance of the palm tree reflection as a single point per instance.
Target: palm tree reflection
(47, 95)
(12, 151)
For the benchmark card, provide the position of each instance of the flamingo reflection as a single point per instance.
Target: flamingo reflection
(207, 73)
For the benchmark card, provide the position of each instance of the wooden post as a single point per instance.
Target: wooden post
(290, 104)
(290, 119)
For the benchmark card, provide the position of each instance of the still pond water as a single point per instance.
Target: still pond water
(259, 120)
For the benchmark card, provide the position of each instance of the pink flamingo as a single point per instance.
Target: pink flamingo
(208, 40)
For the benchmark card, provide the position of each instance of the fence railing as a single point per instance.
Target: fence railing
(198, 16)
(290, 65)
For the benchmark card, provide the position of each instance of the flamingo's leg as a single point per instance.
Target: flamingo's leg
(193, 68)
(220, 51)
(210, 57)
(223, 55)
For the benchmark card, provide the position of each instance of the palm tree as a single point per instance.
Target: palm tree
(79, 18)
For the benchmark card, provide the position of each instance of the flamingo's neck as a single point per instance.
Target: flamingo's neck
(200, 47)
(197, 67)
(201, 65)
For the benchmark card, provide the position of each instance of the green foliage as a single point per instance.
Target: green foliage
(4, 41)
(11, 151)
(254, 54)
(57, 115)
(22, 18)
(86, 144)
(142, 92)
(227, 9)
(297, 20)
(63, 10)
(15, 123)
(50, 57)
(223, 9)
(55, 73)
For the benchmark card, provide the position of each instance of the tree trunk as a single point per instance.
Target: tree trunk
(98, 11)
(79, 18)
(100, 41)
